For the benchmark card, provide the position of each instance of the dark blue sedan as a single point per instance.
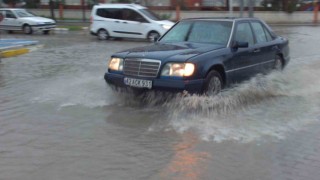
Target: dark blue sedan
(202, 55)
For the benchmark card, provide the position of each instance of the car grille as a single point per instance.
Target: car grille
(141, 67)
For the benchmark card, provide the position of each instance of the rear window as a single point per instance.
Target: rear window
(111, 13)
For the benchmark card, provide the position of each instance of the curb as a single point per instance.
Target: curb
(61, 30)
(18, 51)
(13, 52)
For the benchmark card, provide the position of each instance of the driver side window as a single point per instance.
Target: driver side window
(131, 15)
(244, 33)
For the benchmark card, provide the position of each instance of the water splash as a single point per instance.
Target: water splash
(271, 105)
(85, 90)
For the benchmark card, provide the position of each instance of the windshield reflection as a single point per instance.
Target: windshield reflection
(212, 32)
(24, 13)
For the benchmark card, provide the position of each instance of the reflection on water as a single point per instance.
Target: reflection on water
(186, 164)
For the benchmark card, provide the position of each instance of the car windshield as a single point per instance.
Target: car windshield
(24, 13)
(150, 14)
(211, 32)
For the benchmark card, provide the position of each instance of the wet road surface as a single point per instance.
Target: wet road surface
(59, 120)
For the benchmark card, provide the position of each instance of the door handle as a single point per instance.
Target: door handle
(256, 50)
(125, 22)
(116, 21)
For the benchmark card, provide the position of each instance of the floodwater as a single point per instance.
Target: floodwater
(59, 119)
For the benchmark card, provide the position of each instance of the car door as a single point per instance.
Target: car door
(10, 21)
(244, 64)
(108, 18)
(266, 49)
(133, 24)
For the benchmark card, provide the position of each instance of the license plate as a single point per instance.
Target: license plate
(140, 83)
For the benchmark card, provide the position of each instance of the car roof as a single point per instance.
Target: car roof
(108, 5)
(221, 19)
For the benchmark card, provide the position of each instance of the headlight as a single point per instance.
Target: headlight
(116, 64)
(39, 23)
(166, 26)
(178, 69)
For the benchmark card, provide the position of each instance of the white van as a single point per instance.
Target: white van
(127, 21)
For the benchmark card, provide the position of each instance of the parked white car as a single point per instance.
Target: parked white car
(22, 20)
(126, 21)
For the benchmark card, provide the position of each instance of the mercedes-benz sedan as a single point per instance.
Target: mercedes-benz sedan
(202, 55)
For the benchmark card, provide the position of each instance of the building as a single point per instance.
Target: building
(165, 4)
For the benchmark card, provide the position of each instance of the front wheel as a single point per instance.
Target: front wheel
(152, 35)
(46, 32)
(103, 34)
(27, 29)
(213, 83)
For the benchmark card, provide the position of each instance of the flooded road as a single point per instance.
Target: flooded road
(59, 120)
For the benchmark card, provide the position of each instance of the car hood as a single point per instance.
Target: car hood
(38, 19)
(178, 52)
(165, 22)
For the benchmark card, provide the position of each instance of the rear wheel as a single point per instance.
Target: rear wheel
(278, 63)
(213, 83)
(27, 29)
(103, 34)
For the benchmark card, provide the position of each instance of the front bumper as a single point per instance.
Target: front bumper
(286, 60)
(173, 85)
(43, 27)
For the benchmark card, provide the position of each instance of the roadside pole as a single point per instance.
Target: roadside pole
(177, 13)
(230, 9)
(241, 8)
(51, 4)
(315, 11)
(61, 10)
(83, 10)
(251, 5)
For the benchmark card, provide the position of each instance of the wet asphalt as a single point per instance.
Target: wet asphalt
(59, 119)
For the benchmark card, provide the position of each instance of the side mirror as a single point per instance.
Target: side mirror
(155, 39)
(238, 44)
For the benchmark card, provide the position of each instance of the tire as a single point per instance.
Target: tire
(46, 32)
(152, 35)
(213, 83)
(27, 29)
(278, 63)
(103, 34)
(10, 32)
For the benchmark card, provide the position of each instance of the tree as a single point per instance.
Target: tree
(13, 3)
(274, 5)
(281, 5)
